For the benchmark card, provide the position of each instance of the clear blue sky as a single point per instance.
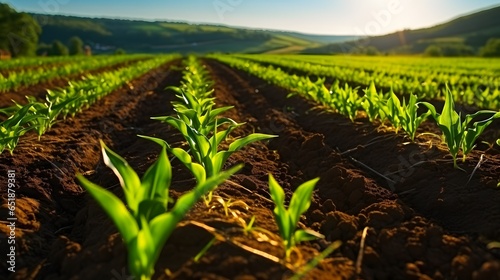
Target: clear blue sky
(334, 17)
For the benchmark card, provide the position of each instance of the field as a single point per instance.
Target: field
(404, 192)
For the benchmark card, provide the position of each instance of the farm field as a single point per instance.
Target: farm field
(389, 203)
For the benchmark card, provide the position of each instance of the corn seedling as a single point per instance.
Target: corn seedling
(288, 219)
(206, 150)
(458, 134)
(143, 221)
(404, 116)
(13, 128)
(373, 103)
(198, 112)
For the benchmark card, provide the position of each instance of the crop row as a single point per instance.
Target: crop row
(396, 64)
(41, 116)
(472, 87)
(16, 63)
(145, 222)
(459, 133)
(15, 80)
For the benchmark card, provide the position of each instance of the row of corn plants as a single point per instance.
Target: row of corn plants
(41, 116)
(18, 63)
(460, 134)
(145, 220)
(398, 65)
(17, 79)
(479, 88)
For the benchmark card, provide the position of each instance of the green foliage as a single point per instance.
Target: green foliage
(404, 115)
(120, 51)
(13, 128)
(458, 134)
(491, 49)
(26, 77)
(373, 103)
(75, 46)
(144, 221)
(472, 80)
(365, 50)
(152, 37)
(433, 51)
(288, 219)
(19, 32)
(201, 125)
(67, 101)
(58, 49)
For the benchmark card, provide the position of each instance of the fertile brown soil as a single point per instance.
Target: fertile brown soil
(424, 219)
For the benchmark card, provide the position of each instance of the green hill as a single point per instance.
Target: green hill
(461, 36)
(106, 35)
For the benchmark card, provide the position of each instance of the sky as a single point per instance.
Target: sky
(329, 17)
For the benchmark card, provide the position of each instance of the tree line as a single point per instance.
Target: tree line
(20, 34)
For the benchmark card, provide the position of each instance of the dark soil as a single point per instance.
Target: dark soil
(424, 219)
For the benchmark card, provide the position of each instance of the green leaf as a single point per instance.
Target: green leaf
(222, 135)
(128, 178)
(150, 208)
(162, 226)
(114, 207)
(240, 143)
(450, 122)
(219, 160)
(471, 134)
(431, 108)
(196, 169)
(280, 213)
(142, 252)
(301, 200)
(157, 178)
(176, 123)
(199, 144)
(218, 111)
(306, 235)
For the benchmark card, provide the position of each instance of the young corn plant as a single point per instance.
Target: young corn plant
(197, 112)
(404, 116)
(346, 100)
(287, 219)
(373, 103)
(205, 150)
(458, 134)
(144, 221)
(15, 127)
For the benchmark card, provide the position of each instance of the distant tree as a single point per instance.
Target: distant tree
(457, 50)
(120, 51)
(433, 51)
(58, 49)
(371, 50)
(491, 49)
(19, 32)
(75, 46)
(365, 50)
(449, 49)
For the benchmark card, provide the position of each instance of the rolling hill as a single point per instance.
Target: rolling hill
(461, 36)
(106, 35)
